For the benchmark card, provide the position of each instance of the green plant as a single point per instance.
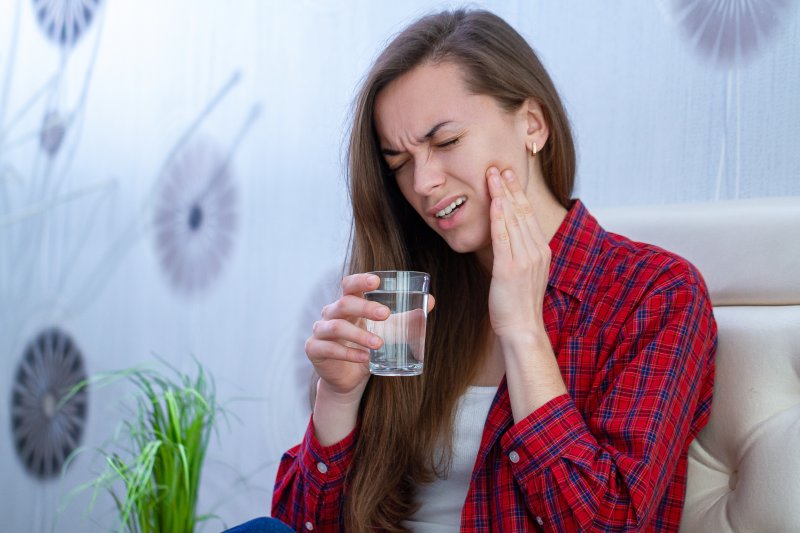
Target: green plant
(158, 457)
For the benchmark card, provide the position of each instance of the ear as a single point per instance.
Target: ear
(538, 130)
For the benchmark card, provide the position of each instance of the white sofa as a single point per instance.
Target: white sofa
(744, 467)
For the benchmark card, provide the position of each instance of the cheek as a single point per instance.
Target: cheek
(469, 168)
(407, 190)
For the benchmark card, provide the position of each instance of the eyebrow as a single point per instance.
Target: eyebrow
(427, 137)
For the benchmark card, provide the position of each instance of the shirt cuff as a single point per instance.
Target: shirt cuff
(326, 466)
(542, 437)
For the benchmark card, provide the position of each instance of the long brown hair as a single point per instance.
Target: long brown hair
(403, 421)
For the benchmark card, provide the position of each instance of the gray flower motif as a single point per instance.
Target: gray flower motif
(45, 427)
(728, 31)
(195, 217)
(52, 133)
(64, 21)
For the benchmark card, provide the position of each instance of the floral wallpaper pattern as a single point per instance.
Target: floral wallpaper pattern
(172, 184)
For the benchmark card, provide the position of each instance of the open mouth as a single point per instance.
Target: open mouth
(450, 210)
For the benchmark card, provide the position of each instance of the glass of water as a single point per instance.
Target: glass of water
(405, 293)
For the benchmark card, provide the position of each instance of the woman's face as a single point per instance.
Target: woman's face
(440, 139)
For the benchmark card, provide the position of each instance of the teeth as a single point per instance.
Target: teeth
(450, 208)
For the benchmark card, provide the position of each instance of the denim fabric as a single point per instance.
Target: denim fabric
(261, 525)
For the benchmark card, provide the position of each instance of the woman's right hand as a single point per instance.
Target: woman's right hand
(339, 344)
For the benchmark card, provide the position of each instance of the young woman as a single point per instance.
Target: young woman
(567, 368)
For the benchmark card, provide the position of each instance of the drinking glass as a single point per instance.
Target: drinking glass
(405, 293)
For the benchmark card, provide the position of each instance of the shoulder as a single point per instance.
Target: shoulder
(599, 267)
(632, 272)
(648, 264)
(650, 293)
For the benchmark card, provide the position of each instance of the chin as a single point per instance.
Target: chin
(465, 246)
(465, 239)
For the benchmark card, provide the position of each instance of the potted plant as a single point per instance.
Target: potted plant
(153, 467)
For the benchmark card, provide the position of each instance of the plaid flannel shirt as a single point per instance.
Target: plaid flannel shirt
(633, 332)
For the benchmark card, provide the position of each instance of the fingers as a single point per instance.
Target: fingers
(318, 350)
(340, 333)
(353, 307)
(342, 330)
(507, 238)
(336, 337)
(523, 208)
(339, 339)
(501, 245)
(358, 284)
(520, 231)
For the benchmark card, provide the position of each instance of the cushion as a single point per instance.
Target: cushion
(747, 250)
(744, 467)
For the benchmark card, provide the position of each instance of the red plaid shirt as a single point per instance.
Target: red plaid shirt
(633, 331)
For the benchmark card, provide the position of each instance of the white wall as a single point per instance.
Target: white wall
(659, 114)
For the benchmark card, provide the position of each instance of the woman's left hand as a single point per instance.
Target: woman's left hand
(521, 260)
(520, 270)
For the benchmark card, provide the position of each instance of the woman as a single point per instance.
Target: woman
(568, 368)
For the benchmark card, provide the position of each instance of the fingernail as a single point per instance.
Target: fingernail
(508, 175)
(495, 180)
(382, 312)
(374, 341)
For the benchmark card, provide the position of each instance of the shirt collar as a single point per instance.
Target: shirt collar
(575, 249)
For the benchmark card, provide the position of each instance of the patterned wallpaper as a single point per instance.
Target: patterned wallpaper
(171, 185)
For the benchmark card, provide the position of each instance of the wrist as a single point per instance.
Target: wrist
(327, 394)
(335, 414)
(532, 372)
(527, 341)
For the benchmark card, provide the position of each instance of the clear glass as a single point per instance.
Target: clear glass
(405, 293)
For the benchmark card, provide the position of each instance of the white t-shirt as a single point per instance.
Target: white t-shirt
(443, 500)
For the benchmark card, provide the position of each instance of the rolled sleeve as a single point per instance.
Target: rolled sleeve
(309, 488)
(325, 466)
(611, 466)
(547, 434)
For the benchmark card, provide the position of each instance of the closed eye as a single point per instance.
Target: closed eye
(445, 144)
(451, 142)
(394, 169)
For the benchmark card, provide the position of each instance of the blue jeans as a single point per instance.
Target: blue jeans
(261, 525)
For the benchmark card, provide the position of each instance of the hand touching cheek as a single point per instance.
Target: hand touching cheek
(521, 259)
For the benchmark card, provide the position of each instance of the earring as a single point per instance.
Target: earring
(533, 149)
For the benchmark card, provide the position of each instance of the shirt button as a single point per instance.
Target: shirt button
(309, 526)
(514, 457)
(322, 467)
(539, 520)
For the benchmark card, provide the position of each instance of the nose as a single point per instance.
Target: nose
(427, 177)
